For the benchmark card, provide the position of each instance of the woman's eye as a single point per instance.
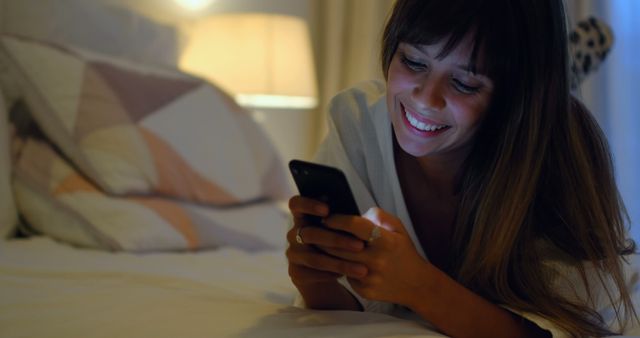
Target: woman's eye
(465, 88)
(413, 65)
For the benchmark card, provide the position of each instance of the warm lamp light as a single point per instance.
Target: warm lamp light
(264, 59)
(194, 5)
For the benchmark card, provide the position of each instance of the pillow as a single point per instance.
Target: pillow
(134, 129)
(589, 43)
(59, 202)
(92, 25)
(8, 216)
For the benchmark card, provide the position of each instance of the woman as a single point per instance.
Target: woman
(496, 209)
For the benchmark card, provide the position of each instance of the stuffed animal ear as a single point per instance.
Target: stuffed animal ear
(589, 44)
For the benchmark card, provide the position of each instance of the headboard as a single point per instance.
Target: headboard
(94, 25)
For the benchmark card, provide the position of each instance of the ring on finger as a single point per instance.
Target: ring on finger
(299, 236)
(375, 233)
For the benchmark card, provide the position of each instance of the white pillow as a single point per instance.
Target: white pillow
(59, 202)
(8, 215)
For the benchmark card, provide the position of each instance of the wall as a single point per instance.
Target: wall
(611, 94)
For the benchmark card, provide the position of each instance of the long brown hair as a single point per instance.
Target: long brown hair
(540, 170)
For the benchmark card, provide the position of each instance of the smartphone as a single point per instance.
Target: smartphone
(326, 184)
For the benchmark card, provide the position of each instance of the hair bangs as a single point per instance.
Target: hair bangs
(437, 20)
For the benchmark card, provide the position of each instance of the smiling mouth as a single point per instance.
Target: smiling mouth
(422, 125)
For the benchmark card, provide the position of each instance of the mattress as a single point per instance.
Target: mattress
(50, 289)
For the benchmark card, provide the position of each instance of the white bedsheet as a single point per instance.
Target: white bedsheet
(48, 289)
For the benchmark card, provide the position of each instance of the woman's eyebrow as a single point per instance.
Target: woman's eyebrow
(421, 48)
(467, 68)
(464, 67)
(480, 76)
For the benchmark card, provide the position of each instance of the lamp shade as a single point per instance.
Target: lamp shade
(264, 59)
(194, 5)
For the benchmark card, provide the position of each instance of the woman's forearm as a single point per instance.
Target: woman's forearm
(328, 296)
(459, 313)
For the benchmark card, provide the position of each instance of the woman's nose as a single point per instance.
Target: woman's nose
(429, 93)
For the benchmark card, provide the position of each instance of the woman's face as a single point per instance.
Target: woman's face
(435, 105)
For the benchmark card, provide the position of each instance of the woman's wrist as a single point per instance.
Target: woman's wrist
(429, 281)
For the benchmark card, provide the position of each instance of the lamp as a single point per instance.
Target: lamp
(194, 5)
(265, 60)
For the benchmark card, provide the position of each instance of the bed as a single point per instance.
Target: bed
(149, 204)
(53, 290)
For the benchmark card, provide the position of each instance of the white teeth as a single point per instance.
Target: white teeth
(421, 125)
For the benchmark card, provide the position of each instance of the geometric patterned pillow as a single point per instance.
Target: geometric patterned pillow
(59, 202)
(149, 131)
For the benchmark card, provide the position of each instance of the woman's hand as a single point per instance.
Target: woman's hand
(396, 271)
(308, 262)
